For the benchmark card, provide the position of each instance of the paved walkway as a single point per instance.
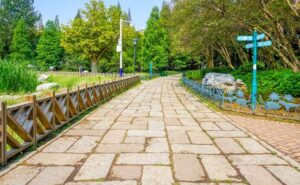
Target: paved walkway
(155, 134)
(282, 136)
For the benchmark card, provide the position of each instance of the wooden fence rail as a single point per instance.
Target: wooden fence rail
(22, 126)
(62, 73)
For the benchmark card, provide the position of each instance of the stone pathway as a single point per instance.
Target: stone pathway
(282, 136)
(155, 134)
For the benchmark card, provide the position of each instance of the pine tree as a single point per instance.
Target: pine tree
(155, 43)
(40, 24)
(21, 48)
(56, 21)
(11, 11)
(49, 51)
(119, 5)
(78, 15)
(129, 16)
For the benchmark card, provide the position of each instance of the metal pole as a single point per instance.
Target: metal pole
(134, 58)
(254, 79)
(121, 51)
(150, 70)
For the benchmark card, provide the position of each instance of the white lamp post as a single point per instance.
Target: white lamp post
(120, 46)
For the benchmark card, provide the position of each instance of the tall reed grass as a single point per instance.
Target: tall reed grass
(16, 78)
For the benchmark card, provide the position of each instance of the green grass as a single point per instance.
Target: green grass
(65, 82)
(72, 82)
(16, 78)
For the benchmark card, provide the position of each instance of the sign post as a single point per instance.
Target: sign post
(150, 70)
(254, 46)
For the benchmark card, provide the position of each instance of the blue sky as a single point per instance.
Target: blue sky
(66, 9)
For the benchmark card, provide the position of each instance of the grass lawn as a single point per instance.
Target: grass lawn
(72, 82)
(65, 82)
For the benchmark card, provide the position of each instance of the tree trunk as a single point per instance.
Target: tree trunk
(225, 54)
(94, 65)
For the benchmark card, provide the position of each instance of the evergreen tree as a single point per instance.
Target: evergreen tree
(21, 48)
(49, 51)
(129, 16)
(155, 43)
(78, 15)
(11, 11)
(40, 24)
(56, 21)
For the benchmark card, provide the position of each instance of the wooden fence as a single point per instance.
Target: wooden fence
(22, 126)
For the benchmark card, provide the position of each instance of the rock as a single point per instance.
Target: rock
(85, 71)
(47, 86)
(43, 78)
(223, 81)
(219, 80)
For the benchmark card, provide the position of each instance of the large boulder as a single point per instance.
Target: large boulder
(47, 86)
(223, 81)
(43, 78)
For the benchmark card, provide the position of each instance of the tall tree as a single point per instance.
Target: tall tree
(49, 51)
(56, 21)
(21, 48)
(209, 28)
(11, 11)
(155, 43)
(93, 35)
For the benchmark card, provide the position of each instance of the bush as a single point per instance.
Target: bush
(16, 78)
(279, 81)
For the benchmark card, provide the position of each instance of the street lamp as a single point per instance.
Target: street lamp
(120, 46)
(135, 41)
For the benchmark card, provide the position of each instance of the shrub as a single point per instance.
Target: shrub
(279, 81)
(16, 78)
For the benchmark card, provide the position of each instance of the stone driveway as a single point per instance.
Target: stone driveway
(155, 134)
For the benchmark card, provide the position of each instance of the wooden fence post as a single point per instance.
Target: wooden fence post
(53, 110)
(32, 99)
(78, 98)
(68, 99)
(3, 133)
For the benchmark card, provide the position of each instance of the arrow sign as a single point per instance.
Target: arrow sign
(245, 38)
(260, 44)
(261, 36)
(250, 38)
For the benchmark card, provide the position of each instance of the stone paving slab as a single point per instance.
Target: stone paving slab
(284, 137)
(155, 134)
(53, 175)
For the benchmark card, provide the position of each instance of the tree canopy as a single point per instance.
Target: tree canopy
(11, 11)
(155, 43)
(21, 49)
(93, 34)
(49, 51)
(208, 29)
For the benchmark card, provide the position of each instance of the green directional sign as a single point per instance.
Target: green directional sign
(254, 46)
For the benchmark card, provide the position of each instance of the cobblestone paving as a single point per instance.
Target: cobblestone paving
(155, 134)
(282, 136)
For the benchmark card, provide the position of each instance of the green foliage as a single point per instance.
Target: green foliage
(155, 43)
(16, 78)
(209, 29)
(11, 11)
(93, 35)
(49, 51)
(279, 81)
(21, 48)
